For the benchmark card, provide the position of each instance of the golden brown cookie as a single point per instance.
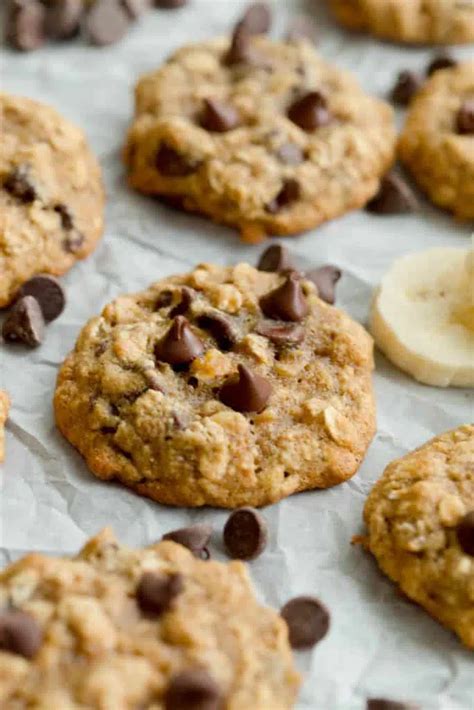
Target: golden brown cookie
(4, 407)
(266, 137)
(51, 194)
(437, 142)
(420, 520)
(128, 629)
(223, 386)
(411, 21)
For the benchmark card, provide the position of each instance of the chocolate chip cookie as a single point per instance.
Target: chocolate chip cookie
(258, 134)
(4, 407)
(152, 628)
(223, 386)
(437, 142)
(51, 194)
(420, 520)
(411, 21)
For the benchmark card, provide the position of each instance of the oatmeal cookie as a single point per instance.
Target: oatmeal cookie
(4, 407)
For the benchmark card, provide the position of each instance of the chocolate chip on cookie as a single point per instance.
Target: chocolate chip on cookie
(48, 292)
(247, 392)
(310, 111)
(275, 258)
(63, 18)
(181, 345)
(257, 18)
(65, 215)
(24, 323)
(187, 297)
(19, 184)
(465, 118)
(218, 116)
(465, 533)
(245, 534)
(73, 242)
(406, 86)
(287, 302)
(443, 61)
(173, 164)
(193, 690)
(156, 592)
(325, 278)
(220, 327)
(195, 538)
(106, 22)
(25, 24)
(384, 704)
(308, 621)
(394, 196)
(20, 633)
(289, 192)
(281, 334)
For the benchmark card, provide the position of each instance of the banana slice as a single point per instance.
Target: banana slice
(422, 316)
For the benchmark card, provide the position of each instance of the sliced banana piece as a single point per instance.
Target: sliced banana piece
(422, 316)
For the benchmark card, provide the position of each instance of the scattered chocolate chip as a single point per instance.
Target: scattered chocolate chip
(73, 242)
(257, 18)
(192, 690)
(465, 533)
(170, 4)
(18, 183)
(48, 292)
(287, 302)
(63, 18)
(443, 61)
(24, 323)
(394, 196)
(307, 619)
(173, 164)
(218, 116)
(465, 118)
(195, 538)
(156, 592)
(281, 334)
(20, 633)
(406, 86)
(310, 111)
(275, 258)
(25, 24)
(106, 22)
(187, 297)
(65, 214)
(220, 327)
(247, 392)
(290, 192)
(245, 534)
(290, 154)
(325, 278)
(383, 704)
(181, 345)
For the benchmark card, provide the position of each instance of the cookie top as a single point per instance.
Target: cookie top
(411, 21)
(4, 407)
(51, 194)
(437, 142)
(267, 137)
(223, 386)
(420, 520)
(115, 627)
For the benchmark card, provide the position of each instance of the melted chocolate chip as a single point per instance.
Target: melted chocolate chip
(187, 297)
(65, 214)
(290, 192)
(218, 116)
(465, 533)
(281, 334)
(156, 592)
(247, 392)
(245, 534)
(310, 111)
(48, 292)
(193, 690)
(170, 163)
(325, 278)
(19, 184)
(181, 345)
(275, 258)
(394, 196)
(287, 302)
(24, 323)
(465, 118)
(195, 538)
(20, 633)
(220, 327)
(290, 154)
(308, 621)
(442, 61)
(406, 86)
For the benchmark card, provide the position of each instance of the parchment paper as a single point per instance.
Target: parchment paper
(379, 644)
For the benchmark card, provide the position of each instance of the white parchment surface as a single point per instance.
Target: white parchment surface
(379, 644)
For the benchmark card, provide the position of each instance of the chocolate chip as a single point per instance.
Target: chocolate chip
(310, 111)
(257, 18)
(290, 192)
(187, 297)
(194, 537)
(383, 704)
(25, 28)
(73, 242)
(394, 196)
(218, 116)
(173, 164)
(220, 327)
(281, 334)
(307, 619)
(245, 534)
(63, 18)
(24, 323)
(275, 258)
(170, 4)
(465, 533)
(106, 22)
(287, 302)
(18, 183)
(465, 118)
(325, 278)
(192, 690)
(406, 86)
(240, 50)
(156, 592)
(65, 214)
(164, 299)
(48, 292)
(181, 345)
(443, 61)
(20, 633)
(247, 392)
(290, 154)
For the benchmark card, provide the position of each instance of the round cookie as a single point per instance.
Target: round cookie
(411, 21)
(223, 386)
(272, 141)
(128, 629)
(51, 194)
(420, 520)
(437, 142)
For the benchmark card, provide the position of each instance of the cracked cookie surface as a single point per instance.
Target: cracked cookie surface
(51, 194)
(121, 628)
(222, 139)
(411, 21)
(4, 407)
(224, 386)
(437, 142)
(418, 516)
